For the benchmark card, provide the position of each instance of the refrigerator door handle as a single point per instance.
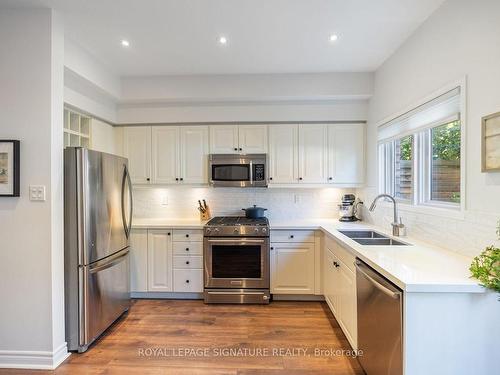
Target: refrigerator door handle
(109, 264)
(127, 225)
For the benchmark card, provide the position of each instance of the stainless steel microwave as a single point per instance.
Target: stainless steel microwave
(233, 170)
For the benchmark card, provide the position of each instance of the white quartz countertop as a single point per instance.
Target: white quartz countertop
(419, 267)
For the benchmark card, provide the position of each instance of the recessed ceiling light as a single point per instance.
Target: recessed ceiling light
(125, 43)
(222, 40)
(333, 37)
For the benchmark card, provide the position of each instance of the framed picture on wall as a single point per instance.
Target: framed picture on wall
(490, 139)
(9, 168)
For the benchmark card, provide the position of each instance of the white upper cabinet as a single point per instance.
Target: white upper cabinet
(283, 154)
(235, 139)
(193, 154)
(252, 139)
(165, 151)
(137, 148)
(224, 139)
(346, 154)
(312, 153)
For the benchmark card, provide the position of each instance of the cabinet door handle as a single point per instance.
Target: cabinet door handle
(148, 179)
(181, 179)
(236, 149)
(330, 178)
(272, 248)
(291, 236)
(270, 178)
(176, 179)
(187, 248)
(187, 281)
(300, 178)
(241, 149)
(187, 235)
(187, 261)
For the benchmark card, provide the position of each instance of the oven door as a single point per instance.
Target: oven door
(236, 263)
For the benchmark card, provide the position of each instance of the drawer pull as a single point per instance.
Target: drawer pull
(291, 236)
(187, 261)
(187, 235)
(168, 234)
(187, 281)
(187, 248)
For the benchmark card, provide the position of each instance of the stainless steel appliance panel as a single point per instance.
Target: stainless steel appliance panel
(106, 202)
(233, 170)
(237, 296)
(105, 294)
(380, 322)
(97, 221)
(236, 262)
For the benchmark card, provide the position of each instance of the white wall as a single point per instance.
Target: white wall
(460, 39)
(252, 97)
(31, 256)
(89, 85)
(282, 204)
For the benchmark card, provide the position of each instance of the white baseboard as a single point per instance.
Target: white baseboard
(166, 295)
(298, 297)
(39, 360)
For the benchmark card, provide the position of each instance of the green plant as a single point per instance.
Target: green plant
(486, 268)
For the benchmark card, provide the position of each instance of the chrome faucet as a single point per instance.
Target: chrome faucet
(396, 226)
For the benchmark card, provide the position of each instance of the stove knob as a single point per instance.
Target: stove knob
(208, 230)
(264, 230)
(256, 230)
(235, 230)
(216, 230)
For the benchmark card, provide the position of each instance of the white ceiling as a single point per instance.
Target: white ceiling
(174, 37)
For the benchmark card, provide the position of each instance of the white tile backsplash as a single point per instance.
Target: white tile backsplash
(468, 235)
(282, 203)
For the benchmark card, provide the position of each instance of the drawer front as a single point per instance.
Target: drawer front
(295, 236)
(185, 235)
(188, 248)
(188, 281)
(342, 254)
(188, 262)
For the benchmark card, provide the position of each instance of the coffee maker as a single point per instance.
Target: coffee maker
(348, 208)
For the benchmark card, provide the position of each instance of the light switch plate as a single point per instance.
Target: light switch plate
(37, 193)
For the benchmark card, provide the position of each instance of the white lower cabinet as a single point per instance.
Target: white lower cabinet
(339, 287)
(292, 262)
(159, 260)
(188, 280)
(188, 260)
(139, 260)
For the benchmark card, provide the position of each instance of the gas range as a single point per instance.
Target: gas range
(236, 257)
(236, 226)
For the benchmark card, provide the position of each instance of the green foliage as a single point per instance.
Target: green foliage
(446, 141)
(405, 147)
(486, 268)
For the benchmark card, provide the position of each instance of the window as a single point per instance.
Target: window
(445, 163)
(422, 166)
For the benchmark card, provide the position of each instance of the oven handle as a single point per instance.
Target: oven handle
(236, 241)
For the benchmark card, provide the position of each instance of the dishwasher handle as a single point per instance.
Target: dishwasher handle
(376, 284)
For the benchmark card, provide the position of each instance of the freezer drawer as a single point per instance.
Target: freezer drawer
(104, 296)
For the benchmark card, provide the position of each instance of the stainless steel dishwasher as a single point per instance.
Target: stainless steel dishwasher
(380, 322)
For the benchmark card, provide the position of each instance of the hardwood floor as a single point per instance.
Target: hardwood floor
(189, 337)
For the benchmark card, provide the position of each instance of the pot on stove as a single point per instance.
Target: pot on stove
(254, 212)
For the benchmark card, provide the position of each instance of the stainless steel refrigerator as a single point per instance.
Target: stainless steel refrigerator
(97, 222)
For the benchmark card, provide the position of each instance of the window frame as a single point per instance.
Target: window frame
(422, 166)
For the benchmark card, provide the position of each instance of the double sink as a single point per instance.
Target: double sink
(370, 237)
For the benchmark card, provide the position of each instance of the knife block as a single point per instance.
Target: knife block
(205, 216)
